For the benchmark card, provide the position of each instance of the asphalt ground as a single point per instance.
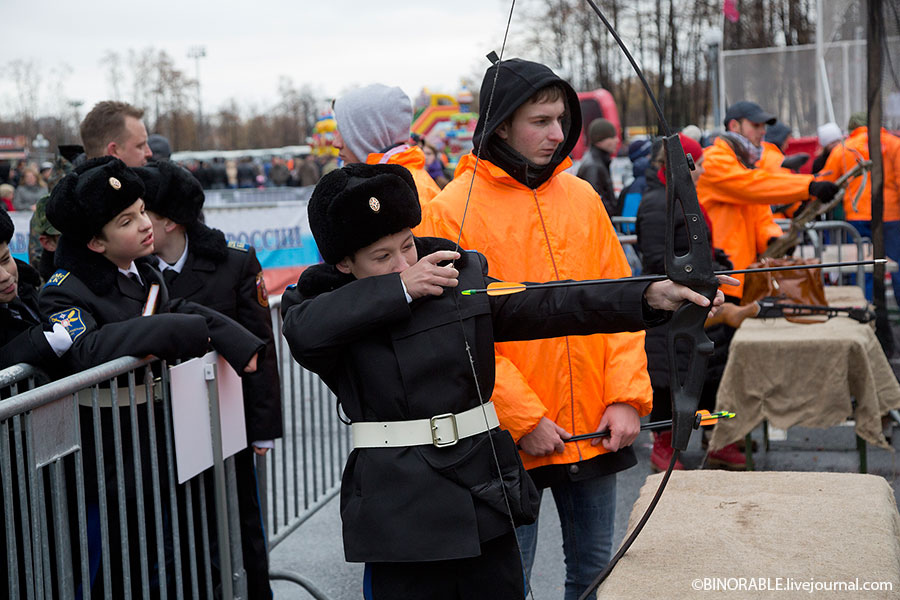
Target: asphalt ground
(315, 551)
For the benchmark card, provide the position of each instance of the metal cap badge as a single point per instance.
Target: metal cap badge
(115, 183)
(374, 204)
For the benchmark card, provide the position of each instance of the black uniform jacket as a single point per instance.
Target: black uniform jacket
(100, 307)
(388, 360)
(651, 243)
(595, 170)
(227, 277)
(21, 331)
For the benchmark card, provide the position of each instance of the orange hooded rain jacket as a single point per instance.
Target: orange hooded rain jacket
(843, 158)
(559, 230)
(737, 200)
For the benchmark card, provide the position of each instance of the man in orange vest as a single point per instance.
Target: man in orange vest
(536, 222)
(373, 127)
(737, 195)
(858, 203)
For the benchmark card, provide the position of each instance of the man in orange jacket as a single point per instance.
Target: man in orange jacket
(535, 222)
(373, 127)
(737, 195)
(858, 204)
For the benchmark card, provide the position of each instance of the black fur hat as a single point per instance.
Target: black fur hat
(6, 227)
(91, 196)
(358, 205)
(172, 191)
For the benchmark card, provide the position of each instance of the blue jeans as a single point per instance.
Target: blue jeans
(587, 511)
(891, 250)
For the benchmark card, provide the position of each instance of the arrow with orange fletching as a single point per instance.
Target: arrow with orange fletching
(502, 288)
(703, 419)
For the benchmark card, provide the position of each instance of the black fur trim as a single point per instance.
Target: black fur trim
(172, 191)
(91, 196)
(28, 274)
(322, 278)
(7, 229)
(358, 205)
(207, 242)
(93, 269)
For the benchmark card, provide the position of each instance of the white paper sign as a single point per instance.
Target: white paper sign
(191, 416)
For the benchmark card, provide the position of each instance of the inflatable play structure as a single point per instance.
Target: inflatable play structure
(323, 136)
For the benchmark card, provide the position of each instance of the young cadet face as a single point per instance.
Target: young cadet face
(129, 235)
(132, 148)
(535, 130)
(391, 254)
(9, 275)
(160, 234)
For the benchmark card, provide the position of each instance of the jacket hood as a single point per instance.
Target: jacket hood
(518, 80)
(323, 277)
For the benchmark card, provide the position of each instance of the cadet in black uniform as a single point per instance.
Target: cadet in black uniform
(421, 500)
(199, 265)
(23, 336)
(99, 294)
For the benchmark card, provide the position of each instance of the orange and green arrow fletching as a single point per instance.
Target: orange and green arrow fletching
(497, 288)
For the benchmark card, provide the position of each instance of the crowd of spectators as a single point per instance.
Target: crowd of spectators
(22, 184)
(248, 172)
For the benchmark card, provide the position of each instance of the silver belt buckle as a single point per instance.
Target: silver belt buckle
(436, 438)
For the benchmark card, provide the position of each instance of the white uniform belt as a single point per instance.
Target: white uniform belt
(439, 430)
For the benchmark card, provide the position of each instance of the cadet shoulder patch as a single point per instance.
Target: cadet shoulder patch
(241, 246)
(71, 321)
(57, 278)
(262, 294)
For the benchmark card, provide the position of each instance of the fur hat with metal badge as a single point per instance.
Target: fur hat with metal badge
(172, 191)
(91, 196)
(358, 205)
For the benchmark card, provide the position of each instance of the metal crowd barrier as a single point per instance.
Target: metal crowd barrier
(256, 196)
(834, 241)
(303, 472)
(89, 492)
(48, 512)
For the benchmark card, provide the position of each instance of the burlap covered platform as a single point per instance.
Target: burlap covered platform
(802, 532)
(806, 375)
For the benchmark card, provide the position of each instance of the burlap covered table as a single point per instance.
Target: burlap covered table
(806, 374)
(718, 534)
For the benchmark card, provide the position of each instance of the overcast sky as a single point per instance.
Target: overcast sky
(334, 45)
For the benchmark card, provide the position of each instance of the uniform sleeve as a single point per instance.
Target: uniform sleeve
(30, 346)
(168, 336)
(228, 338)
(318, 328)
(262, 389)
(735, 184)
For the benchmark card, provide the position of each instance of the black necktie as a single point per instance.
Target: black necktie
(169, 275)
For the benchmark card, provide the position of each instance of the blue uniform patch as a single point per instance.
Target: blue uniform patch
(57, 278)
(71, 321)
(239, 246)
